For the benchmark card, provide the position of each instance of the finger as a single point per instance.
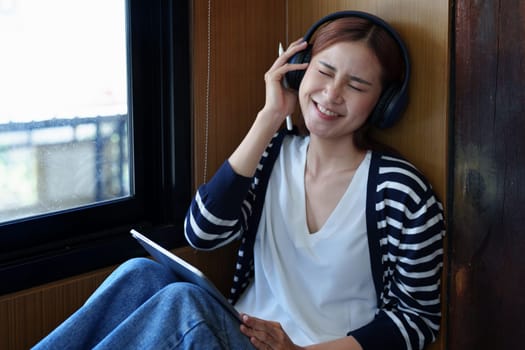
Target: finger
(267, 332)
(295, 47)
(258, 323)
(256, 326)
(278, 73)
(297, 42)
(259, 345)
(259, 338)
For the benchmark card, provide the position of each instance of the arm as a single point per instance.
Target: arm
(279, 103)
(227, 206)
(219, 211)
(407, 230)
(215, 216)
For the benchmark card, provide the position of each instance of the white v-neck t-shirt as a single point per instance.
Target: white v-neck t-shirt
(317, 286)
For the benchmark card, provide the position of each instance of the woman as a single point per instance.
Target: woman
(341, 244)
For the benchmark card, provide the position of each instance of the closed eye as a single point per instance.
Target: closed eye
(355, 88)
(352, 79)
(330, 75)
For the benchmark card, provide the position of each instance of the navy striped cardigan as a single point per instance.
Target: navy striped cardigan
(405, 230)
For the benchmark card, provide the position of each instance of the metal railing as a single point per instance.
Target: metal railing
(104, 140)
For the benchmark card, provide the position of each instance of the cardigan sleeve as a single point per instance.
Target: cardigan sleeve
(223, 209)
(407, 252)
(215, 214)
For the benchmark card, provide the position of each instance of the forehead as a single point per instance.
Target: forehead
(351, 57)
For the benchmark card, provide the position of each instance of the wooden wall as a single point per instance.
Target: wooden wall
(487, 240)
(421, 135)
(487, 263)
(27, 316)
(244, 40)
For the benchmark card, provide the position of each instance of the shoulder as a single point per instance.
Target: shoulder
(283, 142)
(393, 178)
(391, 169)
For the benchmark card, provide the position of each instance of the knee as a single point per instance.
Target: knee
(186, 299)
(185, 293)
(193, 299)
(145, 270)
(139, 266)
(189, 305)
(181, 289)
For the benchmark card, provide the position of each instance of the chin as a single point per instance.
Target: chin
(321, 131)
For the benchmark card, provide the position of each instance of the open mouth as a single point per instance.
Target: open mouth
(325, 112)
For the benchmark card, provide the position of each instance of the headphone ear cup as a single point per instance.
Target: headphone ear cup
(386, 111)
(294, 78)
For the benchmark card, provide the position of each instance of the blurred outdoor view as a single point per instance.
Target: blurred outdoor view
(63, 105)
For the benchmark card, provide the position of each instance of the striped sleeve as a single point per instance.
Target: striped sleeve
(410, 229)
(223, 209)
(216, 214)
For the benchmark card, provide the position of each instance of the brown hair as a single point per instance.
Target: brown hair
(379, 40)
(384, 46)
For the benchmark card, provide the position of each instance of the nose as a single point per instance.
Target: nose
(334, 92)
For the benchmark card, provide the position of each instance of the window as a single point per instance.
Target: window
(64, 122)
(95, 139)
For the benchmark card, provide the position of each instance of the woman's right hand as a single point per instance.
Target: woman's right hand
(280, 101)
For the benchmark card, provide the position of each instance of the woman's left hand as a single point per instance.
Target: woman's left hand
(266, 335)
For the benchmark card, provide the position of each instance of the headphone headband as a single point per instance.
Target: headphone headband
(394, 99)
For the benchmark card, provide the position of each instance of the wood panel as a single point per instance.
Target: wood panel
(421, 135)
(244, 37)
(27, 316)
(237, 88)
(487, 261)
(243, 45)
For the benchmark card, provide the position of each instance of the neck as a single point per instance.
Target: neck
(332, 157)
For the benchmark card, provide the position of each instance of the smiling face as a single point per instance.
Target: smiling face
(340, 88)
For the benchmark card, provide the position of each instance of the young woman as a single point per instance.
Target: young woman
(341, 244)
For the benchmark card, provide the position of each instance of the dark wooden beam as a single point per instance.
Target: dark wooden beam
(487, 226)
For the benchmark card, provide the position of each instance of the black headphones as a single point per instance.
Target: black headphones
(394, 98)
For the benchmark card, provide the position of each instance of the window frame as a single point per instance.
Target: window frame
(49, 247)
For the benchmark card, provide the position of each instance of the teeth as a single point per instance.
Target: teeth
(326, 111)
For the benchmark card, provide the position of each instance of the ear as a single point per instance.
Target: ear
(295, 77)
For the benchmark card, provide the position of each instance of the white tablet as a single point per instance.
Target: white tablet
(183, 269)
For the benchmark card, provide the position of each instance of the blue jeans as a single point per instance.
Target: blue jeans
(141, 305)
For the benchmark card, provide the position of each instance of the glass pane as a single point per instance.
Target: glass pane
(64, 122)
